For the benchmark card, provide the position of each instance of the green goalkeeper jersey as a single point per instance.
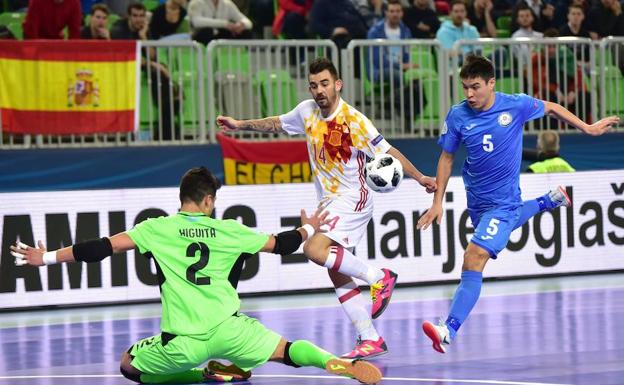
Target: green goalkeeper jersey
(194, 255)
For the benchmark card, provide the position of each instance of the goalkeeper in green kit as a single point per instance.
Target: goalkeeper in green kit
(194, 255)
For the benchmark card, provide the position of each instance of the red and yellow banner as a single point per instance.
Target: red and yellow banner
(68, 87)
(247, 162)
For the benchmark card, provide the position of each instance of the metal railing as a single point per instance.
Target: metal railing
(399, 85)
(185, 86)
(259, 78)
(561, 70)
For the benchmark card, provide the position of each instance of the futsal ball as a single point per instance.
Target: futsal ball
(384, 173)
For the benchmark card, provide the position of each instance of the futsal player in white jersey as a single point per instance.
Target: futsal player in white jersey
(339, 139)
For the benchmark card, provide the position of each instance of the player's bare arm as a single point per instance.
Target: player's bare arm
(98, 250)
(410, 170)
(561, 113)
(445, 165)
(270, 124)
(309, 226)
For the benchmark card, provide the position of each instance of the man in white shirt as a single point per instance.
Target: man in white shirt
(525, 19)
(217, 19)
(339, 139)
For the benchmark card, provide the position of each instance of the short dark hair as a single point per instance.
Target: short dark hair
(197, 183)
(321, 64)
(100, 7)
(395, 2)
(578, 6)
(454, 2)
(477, 67)
(137, 6)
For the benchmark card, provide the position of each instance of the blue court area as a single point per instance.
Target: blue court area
(545, 331)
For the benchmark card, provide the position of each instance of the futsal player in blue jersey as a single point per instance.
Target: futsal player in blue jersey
(490, 125)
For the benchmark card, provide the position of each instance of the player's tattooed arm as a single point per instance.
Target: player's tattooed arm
(270, 124)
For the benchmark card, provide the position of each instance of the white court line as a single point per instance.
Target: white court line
(303, 376)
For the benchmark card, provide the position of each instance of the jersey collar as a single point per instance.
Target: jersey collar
(189, 214)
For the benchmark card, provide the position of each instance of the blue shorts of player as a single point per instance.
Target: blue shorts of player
(493, 228)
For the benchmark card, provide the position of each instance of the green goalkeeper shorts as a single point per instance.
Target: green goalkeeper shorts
(240, 339)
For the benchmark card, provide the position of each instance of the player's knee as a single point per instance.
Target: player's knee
(127, 370)
(314, 251)
(475, 259)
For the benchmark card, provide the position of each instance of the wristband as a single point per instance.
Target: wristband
(49, 258)
(309, 229)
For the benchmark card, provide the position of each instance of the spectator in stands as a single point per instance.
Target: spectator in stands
(543, 14)
(292, 18)
(167, 18)
(457, 28)
(606, 19)
(422, 20)
(394, 60)
(98, 24)
(557, 78)
(480, 15)
(547, 158)
(372, 11)
(575, 28)
(217, 19)
(338, 20)
(525, 20)
(135, 27)
(46, 19)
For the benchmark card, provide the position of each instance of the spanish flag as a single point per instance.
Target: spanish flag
(247, 162)
(68, 87)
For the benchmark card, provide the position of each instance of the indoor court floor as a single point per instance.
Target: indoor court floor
(565, 330)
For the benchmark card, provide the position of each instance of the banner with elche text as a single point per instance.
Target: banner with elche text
(589, 236)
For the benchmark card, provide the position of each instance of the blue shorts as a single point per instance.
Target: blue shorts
(493, 228)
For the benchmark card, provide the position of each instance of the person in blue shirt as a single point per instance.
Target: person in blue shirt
(490, 125)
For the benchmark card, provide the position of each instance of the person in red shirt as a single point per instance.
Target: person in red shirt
(46, 19)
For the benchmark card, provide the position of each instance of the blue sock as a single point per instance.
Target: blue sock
(529, 209)
(465, 298)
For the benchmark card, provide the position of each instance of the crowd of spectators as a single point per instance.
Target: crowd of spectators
(339, 20)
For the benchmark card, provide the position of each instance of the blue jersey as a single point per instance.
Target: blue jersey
(493, 140)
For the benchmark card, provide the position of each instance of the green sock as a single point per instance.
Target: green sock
(305, 353)
(193, 376)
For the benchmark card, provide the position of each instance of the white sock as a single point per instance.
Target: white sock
(343, 261)
(354, 305)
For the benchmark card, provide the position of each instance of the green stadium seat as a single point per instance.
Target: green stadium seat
(508, 85)
(424, 58)
(234, 59)
(151, 5)
(7, 18)
(278, 91)
(503, 22)
(17, 30)
(615, 97)
(503, 33)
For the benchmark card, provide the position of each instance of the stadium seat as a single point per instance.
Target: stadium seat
(278, 91)
(17, 30)
(150, 5)
(430, 113)
(185, 26)
(234, 59)
(508, 85)
(615, 97)
(7, 18)
(504, 23)
(424, 58)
